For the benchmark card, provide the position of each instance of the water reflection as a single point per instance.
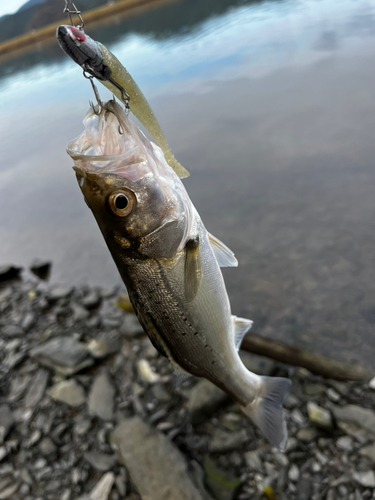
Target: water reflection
(270, 106)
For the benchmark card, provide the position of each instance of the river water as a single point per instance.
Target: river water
(270, 106)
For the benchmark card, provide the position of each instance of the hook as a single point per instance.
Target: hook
(72, 12)
(96, 109)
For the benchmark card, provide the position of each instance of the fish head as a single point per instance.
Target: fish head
(83, 50)
(138, 201)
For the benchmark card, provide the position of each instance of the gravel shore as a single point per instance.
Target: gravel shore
(89, 410)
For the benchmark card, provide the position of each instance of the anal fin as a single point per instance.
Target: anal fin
(241, 327)
(224, 255)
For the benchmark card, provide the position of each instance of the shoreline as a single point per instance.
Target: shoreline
(93, 16)
(87, 404)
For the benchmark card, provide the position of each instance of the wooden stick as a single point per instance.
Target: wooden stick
(315, 363)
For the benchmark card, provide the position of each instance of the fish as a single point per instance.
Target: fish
(170, 263)
(99, 62)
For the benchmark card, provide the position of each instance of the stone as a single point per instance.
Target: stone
(9, 331)
(160, 393)
(37, 387)
(101, 397)
(297, 417)
(368, 451)
(79, 312)
(254, 461)
(333, 395)
(304, 488)
(3, 452)
(41, 268)
(224, 441)
(81, 427)
(58, 292)
(204, 400)
(104, 345)
(6, 422)
(345, 443)
(366, 478)
(130, 326)
(68, 392)
(146, 373)
(147, 453)
(9, 272)
(102, 490)
(17, 387)
(8, 492)
(222, 483)
(64, 354)
(92, 300)
(319, 416)
(313, 389)
(29, 320)
(307, 435)
(353, 430)
(47, 447)
(371, 384)
(100, 461)
(291, 401)
(362, 416)
(293, 473)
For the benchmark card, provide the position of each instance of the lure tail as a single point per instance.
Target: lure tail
(266, 410)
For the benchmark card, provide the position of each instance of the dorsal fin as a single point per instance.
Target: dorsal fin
(241, 327)
(224, 255)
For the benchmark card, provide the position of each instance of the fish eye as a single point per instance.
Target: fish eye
(121, 203)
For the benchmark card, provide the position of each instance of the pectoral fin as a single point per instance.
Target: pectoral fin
(224, 256)
(193, 269)
(241, 327)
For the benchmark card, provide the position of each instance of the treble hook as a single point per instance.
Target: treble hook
(96, 109)
(73, 12)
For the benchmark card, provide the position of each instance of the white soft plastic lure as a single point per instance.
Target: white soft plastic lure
(170, 264)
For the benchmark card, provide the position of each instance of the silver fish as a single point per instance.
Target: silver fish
(169, 263)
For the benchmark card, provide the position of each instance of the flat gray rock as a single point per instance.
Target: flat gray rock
(156, 466)
(68, 392)
(6, 422)
(224, 441)
(104, 345)
(130, 326)
(100, 461)
(368, 451)
(37, 387)
(64, 354)
(10, 331)
(102, 489)
(58, 292)
(101, 397)
(366, 478)
(361, 416)
(204, 400)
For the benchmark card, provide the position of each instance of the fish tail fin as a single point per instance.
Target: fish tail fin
(266, 410)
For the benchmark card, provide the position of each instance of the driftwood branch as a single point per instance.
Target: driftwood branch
(315, 363)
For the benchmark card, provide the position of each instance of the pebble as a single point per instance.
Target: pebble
(371, 384)
(223, 441)
(130, 326)
(344, 443)
(297, 417)
(92, 300)
(366, 479)
(254, 461)
(102, 490)
(362, 416)
(136, 443)
(41, 268)
(319, 416)
(146, 373)
(293, 473)
(369, 452)
(9, 331)
(104, 345)
(307, 435)
(101, 397)
(100, 461)
(333, 395)
(58, 292)
(37, 388)
(64, 354)
(6, 422)
(47, 447)
(68, 392)
(204, 400)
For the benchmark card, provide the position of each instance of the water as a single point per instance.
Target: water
(270, 106)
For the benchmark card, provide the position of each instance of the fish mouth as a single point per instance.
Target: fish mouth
(110, 142)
